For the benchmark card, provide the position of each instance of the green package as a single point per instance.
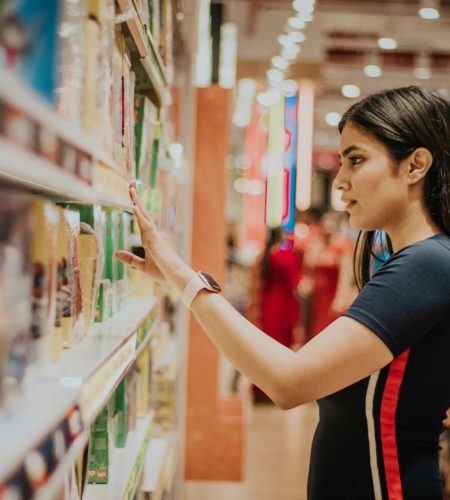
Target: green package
(110, 246)
(98, 461)
(120, 415)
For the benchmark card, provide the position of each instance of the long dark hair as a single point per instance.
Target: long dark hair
(274, 236)
(404, 119)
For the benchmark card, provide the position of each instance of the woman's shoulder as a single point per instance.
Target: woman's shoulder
(431, 255)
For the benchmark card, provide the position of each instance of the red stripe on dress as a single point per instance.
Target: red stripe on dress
(387, 426)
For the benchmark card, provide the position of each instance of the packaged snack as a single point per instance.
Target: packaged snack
(143, 373)
(72, 321)
(145, 119)
(99, 454)
(120, 415)
(90, 108)
(71, 65)
(15, 287)
(43, 258)
(88, 248)
(35, 56)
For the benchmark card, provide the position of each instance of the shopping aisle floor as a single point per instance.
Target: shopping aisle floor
(277, 458)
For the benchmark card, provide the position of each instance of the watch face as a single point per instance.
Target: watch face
(210, 282)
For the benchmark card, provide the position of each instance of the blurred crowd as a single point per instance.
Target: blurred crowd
(300, 282)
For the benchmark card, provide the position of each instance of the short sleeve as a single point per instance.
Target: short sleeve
(408, 296)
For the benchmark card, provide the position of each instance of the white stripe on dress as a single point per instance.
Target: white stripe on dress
(371, 434)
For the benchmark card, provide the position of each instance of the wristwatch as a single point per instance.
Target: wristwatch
(201, 281)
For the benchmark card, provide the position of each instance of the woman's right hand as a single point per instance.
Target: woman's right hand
(149, 233)
(161, 262)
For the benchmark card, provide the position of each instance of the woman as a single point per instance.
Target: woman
(328, 274)
(380, 371)
(279, 307)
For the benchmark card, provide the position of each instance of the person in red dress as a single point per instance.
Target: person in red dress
(328, 271)
(279, 305)
(280, 271)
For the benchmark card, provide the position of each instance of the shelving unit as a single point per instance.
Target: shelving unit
(87, 374)
(147, 52)
(126, 465)
(60, 161)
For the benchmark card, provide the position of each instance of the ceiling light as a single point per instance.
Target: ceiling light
(296, 23)
(291, 51)
(429, 9)
(289, 87)
(429, 13)
(372, 70)
(422, 67)
(266, 99)
(333, 118)
(387, 43)
(351, 91)
(304, 6)
(280, 62)
(275, 75)
(285, 41)
(240, 185)
(297, 36)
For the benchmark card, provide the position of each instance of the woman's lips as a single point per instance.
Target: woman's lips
(350, 204)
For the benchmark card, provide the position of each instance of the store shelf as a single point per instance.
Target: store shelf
(104, 356)
(159, 468)
(33, 173)
(15, 93)
(87, 374)
(53, 485)
(147, 51)
(48, 404)
(126, 465)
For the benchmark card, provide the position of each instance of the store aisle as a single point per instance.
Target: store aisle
(277, 458)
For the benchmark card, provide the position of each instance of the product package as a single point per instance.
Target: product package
(63, 297)
(71, 67)
(43, 258)
(88, 248)
(72, 320)
(90, 108)
(91, 258)
(145, 119)
(15, 287)
(99, 450)
(106, 17)
(34, 54)
(143, 379)
(120, 415)
(132, 403)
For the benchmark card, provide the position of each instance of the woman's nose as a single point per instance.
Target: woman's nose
(340, 182)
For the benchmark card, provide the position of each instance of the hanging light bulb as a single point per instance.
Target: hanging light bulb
(422, 67)
(429, 9)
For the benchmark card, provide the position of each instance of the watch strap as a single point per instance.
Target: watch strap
(191, 290)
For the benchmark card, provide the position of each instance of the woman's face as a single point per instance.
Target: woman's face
(371, 185)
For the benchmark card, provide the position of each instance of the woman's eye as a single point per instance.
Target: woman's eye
(354, 160)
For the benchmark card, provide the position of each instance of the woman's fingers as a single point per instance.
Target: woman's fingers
(145, 227)
(131, 259)
(137, 200)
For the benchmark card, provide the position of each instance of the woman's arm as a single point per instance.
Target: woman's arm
(342, 354)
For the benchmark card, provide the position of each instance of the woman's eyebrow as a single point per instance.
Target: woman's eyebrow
(348, 150)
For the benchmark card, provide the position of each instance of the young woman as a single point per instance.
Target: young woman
(380, 371)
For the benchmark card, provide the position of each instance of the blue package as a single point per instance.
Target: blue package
(37, 62)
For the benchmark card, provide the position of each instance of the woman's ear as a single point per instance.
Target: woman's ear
(419, 162)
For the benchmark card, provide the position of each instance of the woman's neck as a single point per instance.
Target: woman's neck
(416, 225)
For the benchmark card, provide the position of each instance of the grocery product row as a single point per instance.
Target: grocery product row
(106, 458)
(75, 95)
